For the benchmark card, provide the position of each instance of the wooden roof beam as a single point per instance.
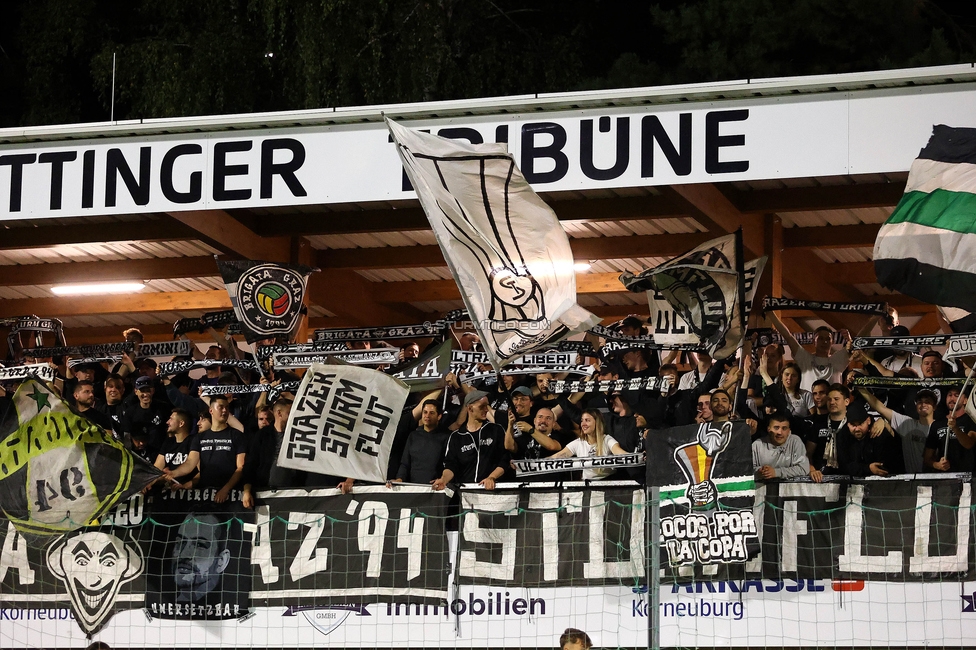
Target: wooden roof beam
(338, 222)
(428, 290)
(589, 248)
(823, 197)
(224, 232)
(857, 236)
(803, 272)
(46, 236)
(352, 297)
(57, 307)
(107, 271)
(159, 332)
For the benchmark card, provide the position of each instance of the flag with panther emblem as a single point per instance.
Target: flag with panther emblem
(267, 297)
(58, 471)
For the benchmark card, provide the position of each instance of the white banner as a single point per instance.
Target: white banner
(531, 467)
(375, 356)
(41, 371)
(343, 422)
(960, 346)
(755, 614)
(813, 134)
(503, 244)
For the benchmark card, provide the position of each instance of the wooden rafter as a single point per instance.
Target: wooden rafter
(229, 235)
(148, 269)
(135, 303)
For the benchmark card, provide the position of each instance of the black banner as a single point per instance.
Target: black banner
(866, 342)
(552, 537)
(376, 356)
(301, 549)
(389, 545)
(774, 304)
(215, 319)
(908, 382)
(533, 467)
(426, 329)
(105, 349)
(426, 372)
(265, 352)
(31, 371)
(176, 367)
(705, 475)
(197, 556)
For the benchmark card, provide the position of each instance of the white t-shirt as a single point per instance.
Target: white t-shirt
(802, 405)
(814, 368)
(895, 364)
(583, 449)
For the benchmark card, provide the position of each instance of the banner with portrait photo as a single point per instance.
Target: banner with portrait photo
(198, 559)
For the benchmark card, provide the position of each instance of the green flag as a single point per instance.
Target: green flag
(58, 471)
(927, 247)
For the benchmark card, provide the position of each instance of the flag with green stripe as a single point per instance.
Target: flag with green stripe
(702, 466)
(58, 471)
(927, 247)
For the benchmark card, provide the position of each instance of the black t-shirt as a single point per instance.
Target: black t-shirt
(218, 455)
(150, 422)
(114, 411)
(95, 416)
(818, 430)
(423, 456)
(175, 454)
(960, 459)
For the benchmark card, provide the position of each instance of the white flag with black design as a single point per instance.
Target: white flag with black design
(343, 422)
(703, 288)
(267, 297)
(505, 247)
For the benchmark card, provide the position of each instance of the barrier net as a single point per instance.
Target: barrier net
(871, 563)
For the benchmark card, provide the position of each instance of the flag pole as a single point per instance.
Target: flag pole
(741, 303)
(962, 393)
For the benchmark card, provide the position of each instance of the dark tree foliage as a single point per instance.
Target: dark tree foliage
(194, 57)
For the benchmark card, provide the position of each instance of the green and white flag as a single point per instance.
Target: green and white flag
(927, 247)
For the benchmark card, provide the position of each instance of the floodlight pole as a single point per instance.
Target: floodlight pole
(112, 110)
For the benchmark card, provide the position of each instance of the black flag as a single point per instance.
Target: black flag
(267, 297)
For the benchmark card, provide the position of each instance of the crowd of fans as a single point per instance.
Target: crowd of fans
(805, 417)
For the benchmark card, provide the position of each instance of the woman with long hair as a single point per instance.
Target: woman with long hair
(798, 401)
(592, 441)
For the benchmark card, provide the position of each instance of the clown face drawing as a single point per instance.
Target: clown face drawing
(93, 566)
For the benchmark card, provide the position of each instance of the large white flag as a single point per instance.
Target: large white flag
(343, 422)
(505, 247)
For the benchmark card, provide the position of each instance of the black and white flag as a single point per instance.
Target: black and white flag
(505, 247)
(705, 289)
(343, 422)
(267, 297)
(670, 328)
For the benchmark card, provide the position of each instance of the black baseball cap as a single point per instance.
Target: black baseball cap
(857, 413)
